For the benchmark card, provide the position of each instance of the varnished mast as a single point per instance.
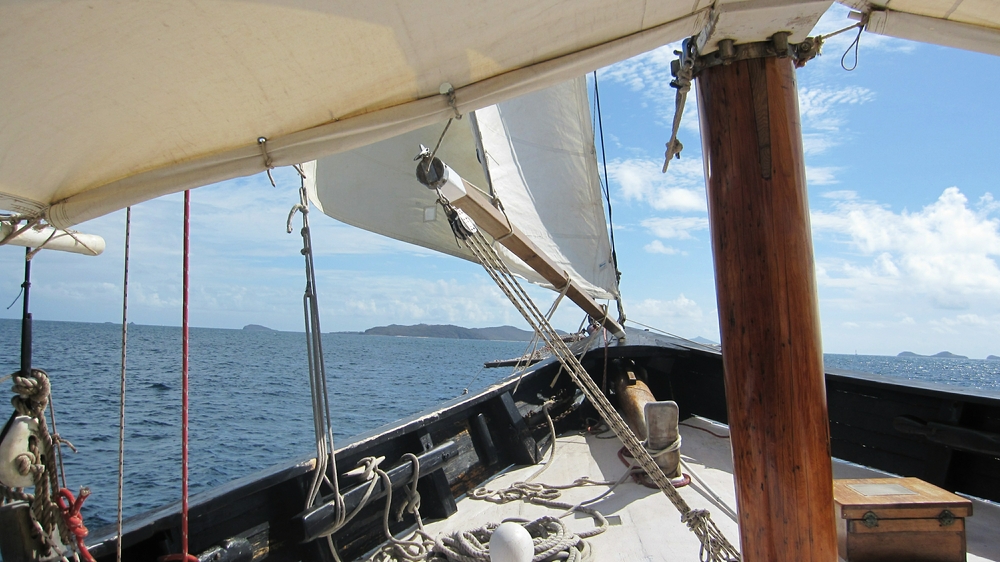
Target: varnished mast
(768, 310)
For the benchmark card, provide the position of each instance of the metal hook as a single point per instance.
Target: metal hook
(262, 141)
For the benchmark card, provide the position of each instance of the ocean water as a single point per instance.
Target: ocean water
(250, 405)
(249, 399)
(966, 373)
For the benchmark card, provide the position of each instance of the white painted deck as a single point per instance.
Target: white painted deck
(650, 528)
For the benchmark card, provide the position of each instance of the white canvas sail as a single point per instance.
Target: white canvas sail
(539, 153)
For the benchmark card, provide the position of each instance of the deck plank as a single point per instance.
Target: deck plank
(650, 527)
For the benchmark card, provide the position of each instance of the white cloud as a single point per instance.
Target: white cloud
(945, 251)
(642, 180)
(657, 247)
(675, 227)
(821, 175)
(681, 307)
(817, 143)
(819, 105)
(845, 195)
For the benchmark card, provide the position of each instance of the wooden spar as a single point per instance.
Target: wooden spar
(768, 311)
(495, 223)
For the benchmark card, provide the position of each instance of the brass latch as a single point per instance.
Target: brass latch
(871, 520)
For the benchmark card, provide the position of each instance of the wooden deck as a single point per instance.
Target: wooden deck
(650, 528)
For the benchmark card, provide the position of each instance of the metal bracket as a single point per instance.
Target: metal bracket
(946, 518)
(729, 52)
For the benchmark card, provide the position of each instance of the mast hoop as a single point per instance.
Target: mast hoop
(729, 51)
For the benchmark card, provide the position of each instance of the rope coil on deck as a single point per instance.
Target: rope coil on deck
(551, 540)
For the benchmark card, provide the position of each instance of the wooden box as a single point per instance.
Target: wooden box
(896, 519)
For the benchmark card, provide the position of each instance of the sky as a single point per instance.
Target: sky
(902, 162)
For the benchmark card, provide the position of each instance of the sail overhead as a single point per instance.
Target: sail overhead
(539, 152)
(543, 168)
(973, 25)
(107, 104)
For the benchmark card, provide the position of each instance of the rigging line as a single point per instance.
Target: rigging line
(666, 333)
(326, 460)
(57, 442)
(856, 44)
(534, 339)
(438, 145)
(121, 408)
(714, 545)
(184, 374)
(41, 246)
(15, 232)
(19, 293)
(607, 181)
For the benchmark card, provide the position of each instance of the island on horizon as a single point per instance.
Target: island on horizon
(943, 354)
(257, 328)
(450, 331)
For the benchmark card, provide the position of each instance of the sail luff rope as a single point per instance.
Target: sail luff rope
(121, 402)
(715, 546)
(607, 183)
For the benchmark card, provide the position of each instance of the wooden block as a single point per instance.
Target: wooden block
(897, 519)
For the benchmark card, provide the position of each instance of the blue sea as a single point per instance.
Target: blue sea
(249, 398)
(250, 405)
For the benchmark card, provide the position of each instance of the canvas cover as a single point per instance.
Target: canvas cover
(110, 103)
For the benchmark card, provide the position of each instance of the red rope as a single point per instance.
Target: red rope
(184, 556)
(184, 378)
(70, 509)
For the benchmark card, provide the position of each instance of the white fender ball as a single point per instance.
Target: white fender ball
(511, 542)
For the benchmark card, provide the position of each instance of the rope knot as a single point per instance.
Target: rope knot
(70, 507)
(31, 393)
(26, 464)
(693, 516)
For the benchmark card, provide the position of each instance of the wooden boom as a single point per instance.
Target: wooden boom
(493, 222)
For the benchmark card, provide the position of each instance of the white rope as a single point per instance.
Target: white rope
(682, 82)
(715, 546)
(121, 404)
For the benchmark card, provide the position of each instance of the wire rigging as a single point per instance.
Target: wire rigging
(606, 183)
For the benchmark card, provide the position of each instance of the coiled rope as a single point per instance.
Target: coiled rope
(714, 545)
(31, 397)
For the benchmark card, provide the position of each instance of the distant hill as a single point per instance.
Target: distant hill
(257, 328)
(497, 333)
(992, 358)
(704, 341)
(943, 354)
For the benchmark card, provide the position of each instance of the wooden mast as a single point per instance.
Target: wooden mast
(768, 313)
